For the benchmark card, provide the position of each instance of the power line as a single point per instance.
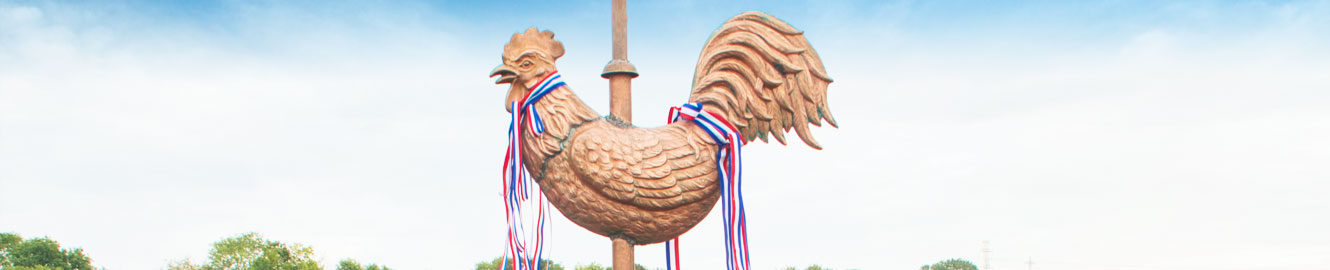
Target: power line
(986, 255)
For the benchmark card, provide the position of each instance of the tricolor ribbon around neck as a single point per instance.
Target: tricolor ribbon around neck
(729, 163)
(526, 230)
(546, 85)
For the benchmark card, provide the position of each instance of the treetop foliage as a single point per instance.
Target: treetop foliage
(250, 251)
(349, 264)
(546, 264)
(951, 264)
(810, 267)
(39, 254)
(497, 262)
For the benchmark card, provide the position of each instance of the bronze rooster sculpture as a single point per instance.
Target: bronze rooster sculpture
(649, 185)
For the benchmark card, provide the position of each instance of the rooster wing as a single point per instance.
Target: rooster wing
(659, 168)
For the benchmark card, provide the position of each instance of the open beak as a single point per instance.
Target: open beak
(506, 75)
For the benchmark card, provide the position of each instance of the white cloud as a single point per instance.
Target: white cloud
(375, 137)
(21, 14)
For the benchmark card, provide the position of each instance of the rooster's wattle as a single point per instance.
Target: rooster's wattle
(649, 185)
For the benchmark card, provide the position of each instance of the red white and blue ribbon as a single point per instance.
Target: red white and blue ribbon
(672, 254)
(729, 162)
(526, 229)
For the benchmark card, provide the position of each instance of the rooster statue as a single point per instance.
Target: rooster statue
(649, 185)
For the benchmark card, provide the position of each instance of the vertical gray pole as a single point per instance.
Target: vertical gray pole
(619, 71)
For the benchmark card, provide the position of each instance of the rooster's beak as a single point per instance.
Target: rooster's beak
(506, 75)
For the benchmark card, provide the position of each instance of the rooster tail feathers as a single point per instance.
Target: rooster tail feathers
(764, 77)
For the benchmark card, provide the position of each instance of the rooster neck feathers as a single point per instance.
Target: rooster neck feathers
(562, 112)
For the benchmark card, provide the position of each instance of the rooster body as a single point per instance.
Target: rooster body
(648, 185)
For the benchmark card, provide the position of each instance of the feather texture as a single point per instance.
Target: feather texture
(651, 184)
(764, 77)
(659, 168)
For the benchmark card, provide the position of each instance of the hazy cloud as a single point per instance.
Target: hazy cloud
(1113, 136)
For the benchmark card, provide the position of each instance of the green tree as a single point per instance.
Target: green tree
(953, 264)
(251, 252)
(592, 266)
(39, 253)
(183, 265)
(349, 264)
(546, 264)
(597, 266)
(7, 240)
(810, 267)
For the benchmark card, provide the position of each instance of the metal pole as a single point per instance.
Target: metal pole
(623, 254)
(619, 71)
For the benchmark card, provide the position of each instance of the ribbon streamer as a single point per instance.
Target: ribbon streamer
(526, 230)
(729, 163)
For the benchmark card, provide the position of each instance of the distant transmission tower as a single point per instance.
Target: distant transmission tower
(986, 255)
(1029, 263)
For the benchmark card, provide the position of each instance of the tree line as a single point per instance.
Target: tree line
(39, 254)
(250, 251)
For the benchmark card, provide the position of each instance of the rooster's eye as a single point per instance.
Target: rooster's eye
(526, 64)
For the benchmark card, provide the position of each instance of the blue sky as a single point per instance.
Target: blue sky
(1085, 134)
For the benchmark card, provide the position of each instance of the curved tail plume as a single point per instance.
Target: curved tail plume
(764, 77)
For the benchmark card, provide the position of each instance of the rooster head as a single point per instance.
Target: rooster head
(526, 59)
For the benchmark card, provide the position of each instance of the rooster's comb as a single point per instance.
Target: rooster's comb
(533, 39)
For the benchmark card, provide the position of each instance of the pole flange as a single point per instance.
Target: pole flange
(619, 67)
